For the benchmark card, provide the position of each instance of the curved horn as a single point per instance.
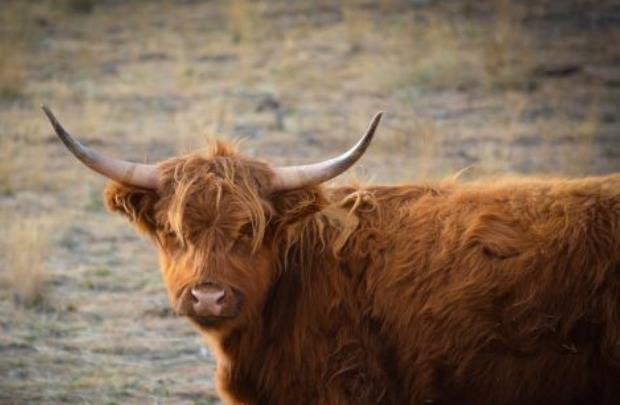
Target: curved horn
(133, 174)
(292, 177)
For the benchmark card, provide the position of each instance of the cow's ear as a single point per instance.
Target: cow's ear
(137, 204)
(295, 205)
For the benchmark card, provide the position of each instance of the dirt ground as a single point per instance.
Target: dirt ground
(499, 88)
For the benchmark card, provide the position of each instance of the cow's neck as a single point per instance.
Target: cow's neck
(313, 312)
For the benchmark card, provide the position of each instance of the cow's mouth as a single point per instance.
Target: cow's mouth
(209, 322)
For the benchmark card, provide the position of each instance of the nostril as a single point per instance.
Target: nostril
(194, 295)
(219, 299)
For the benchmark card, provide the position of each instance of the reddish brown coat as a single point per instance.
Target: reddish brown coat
(504, 292)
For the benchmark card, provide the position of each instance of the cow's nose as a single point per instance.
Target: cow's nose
(209, 300)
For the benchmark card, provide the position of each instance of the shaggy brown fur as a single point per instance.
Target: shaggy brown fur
(505, 292)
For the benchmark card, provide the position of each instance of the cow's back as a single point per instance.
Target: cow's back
(504, 292)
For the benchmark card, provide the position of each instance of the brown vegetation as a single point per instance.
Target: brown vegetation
(25, 250)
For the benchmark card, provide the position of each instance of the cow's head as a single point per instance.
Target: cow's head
(213, 216)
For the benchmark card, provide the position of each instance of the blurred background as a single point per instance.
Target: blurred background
(499, 87)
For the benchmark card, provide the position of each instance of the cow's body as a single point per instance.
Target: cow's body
(496, 293)
(504, 292)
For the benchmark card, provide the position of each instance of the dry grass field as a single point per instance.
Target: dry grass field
(499, 87)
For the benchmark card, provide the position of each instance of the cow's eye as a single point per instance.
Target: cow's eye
(172, 238)
(169, 239)
(246, 231)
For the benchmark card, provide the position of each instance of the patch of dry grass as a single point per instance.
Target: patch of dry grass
(419, 145)
(585, 133)
(436, 51)
(244, 20)
(7, 165)
(391, 6)
(357, 24)
(14, 30)
(25, 246)
(12, 79)
(80, 6)
(435, 54)
(22, 143)
(507, 54)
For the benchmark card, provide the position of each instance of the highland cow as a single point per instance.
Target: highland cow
(504, 292)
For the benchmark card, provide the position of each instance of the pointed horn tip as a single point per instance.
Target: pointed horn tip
(51, 117)
(58, 128)
(372, 127)
(46, 110)
(375, 120)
